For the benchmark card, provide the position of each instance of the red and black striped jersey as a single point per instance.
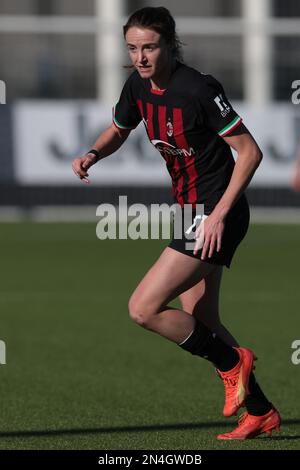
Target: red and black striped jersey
(186, 123)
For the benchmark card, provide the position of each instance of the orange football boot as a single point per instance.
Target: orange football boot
(251, 426)
(236, 382)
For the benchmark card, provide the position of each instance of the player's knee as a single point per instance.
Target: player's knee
(139, 312)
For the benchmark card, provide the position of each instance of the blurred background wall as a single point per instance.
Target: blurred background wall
(61, 61)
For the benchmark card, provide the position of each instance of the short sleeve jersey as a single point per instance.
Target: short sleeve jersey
(186, 123)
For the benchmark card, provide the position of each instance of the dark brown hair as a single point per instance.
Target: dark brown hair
(160, 20)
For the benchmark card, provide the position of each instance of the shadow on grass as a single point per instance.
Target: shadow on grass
(146, 428)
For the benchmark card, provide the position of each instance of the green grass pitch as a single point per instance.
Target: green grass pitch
(81, 375)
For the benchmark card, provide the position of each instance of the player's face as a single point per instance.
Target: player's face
(148, 52)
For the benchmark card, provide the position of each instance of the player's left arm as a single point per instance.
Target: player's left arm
(249, 157)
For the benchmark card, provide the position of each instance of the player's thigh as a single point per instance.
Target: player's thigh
(172, 274)
(202, 300)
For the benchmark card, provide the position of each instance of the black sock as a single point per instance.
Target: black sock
(206, 344)
(256, 403)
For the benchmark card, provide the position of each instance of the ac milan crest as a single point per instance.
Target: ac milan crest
(169, 128)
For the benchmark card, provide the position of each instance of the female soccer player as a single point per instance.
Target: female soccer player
(189, 119)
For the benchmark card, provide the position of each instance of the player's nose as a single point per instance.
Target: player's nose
(141, 57)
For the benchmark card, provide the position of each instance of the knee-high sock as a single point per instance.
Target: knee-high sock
(256, 403)
(204, 343)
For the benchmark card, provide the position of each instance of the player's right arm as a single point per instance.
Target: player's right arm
(126, 117)
(107, 143)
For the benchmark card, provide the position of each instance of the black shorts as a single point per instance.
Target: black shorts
(236, 226)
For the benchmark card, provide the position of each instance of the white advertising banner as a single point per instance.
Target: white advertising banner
(48, 135)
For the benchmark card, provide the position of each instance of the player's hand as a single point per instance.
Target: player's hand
(209, 234)
(80, 166)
